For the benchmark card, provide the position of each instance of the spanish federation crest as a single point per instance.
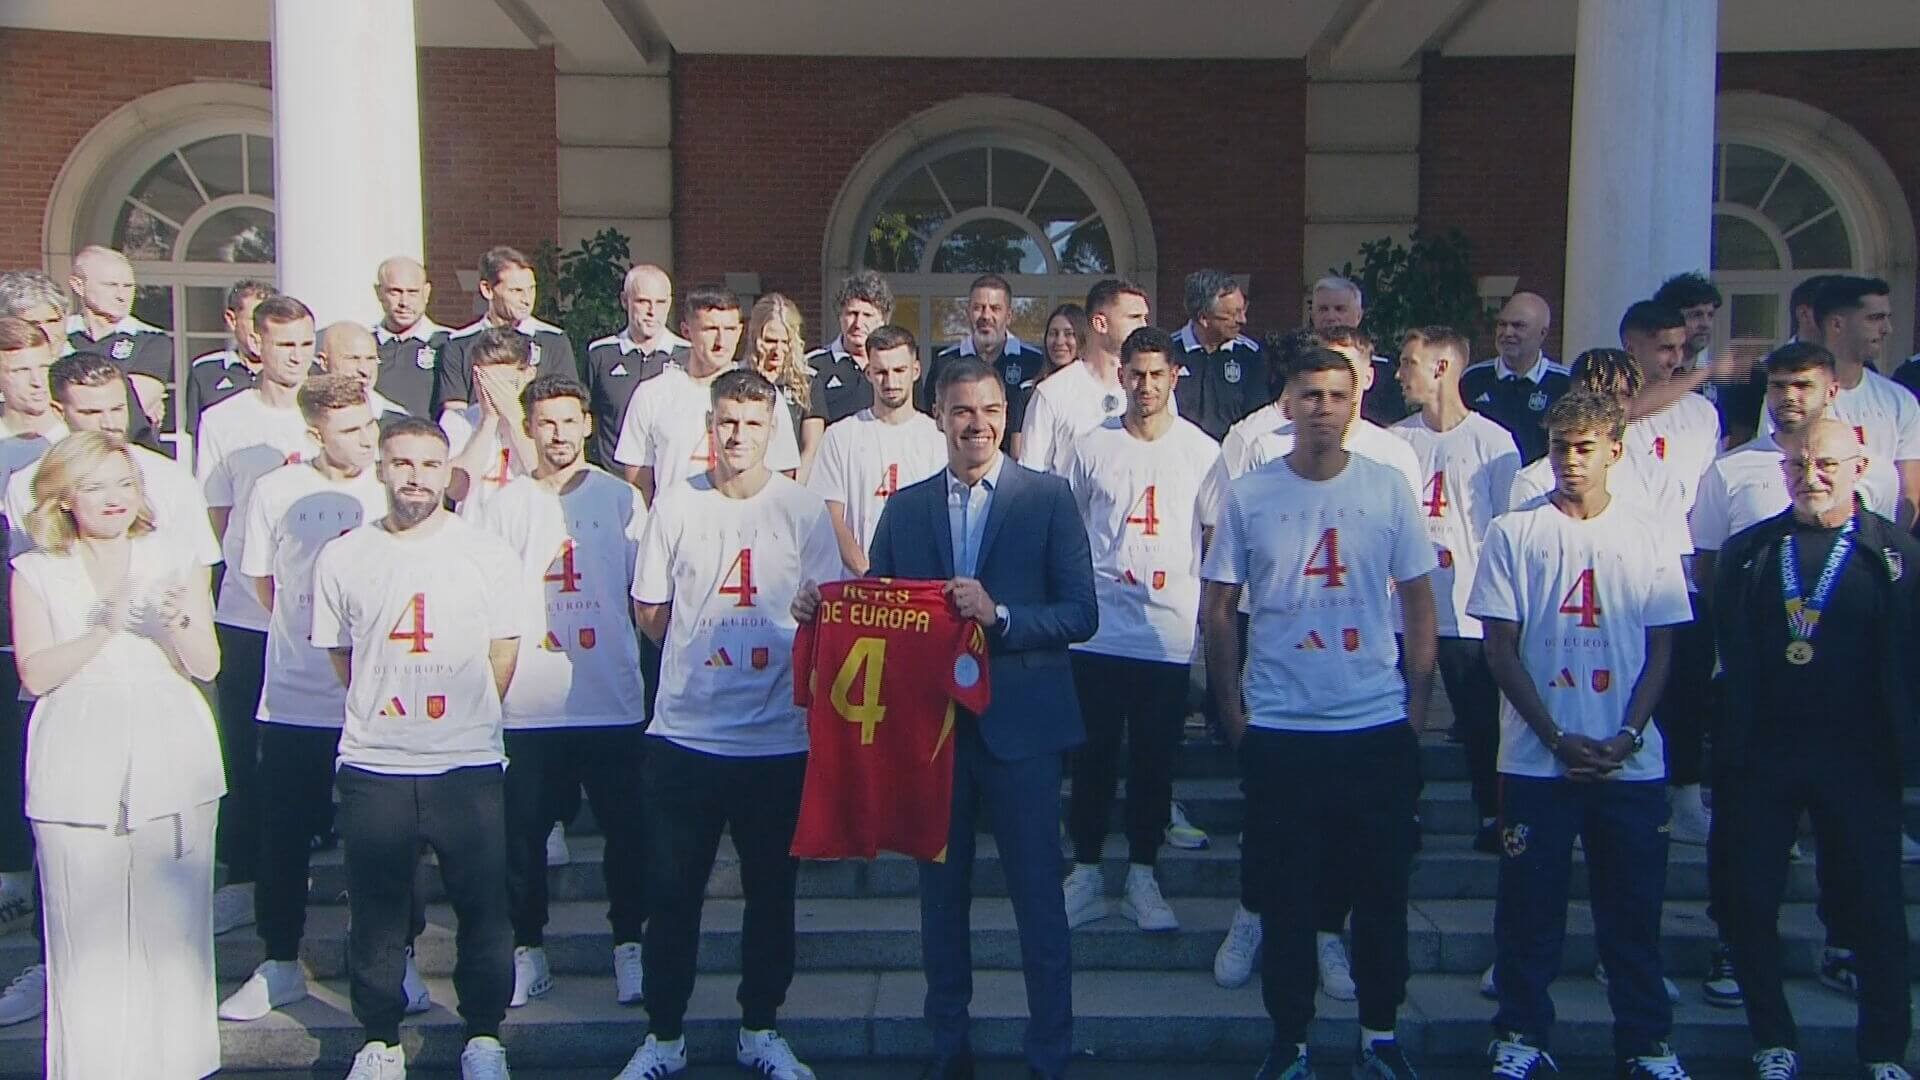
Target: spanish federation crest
(425, 358)
(533, 350)
(1538, 402)
(1896, 566)
(1014, 371)
(1231, 371)
(122, 349)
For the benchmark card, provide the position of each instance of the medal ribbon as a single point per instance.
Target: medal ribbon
(1803, 613)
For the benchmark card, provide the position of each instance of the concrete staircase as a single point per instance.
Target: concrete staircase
(1138, 997)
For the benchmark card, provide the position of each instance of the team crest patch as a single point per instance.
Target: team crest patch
(1513, 840)
(1159, 579)
(436, 706)
(533, 350)
(966, 672)
(424, 358)
(1014, 371)
(1602, 678)
(1110, 403)
(587, 637)
(760, 658)
(122, 349)
(1445, 558)
(1896, 566)
(1538, 402)
(1231, 371)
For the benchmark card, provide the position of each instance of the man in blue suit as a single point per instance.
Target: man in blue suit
(1012, 548)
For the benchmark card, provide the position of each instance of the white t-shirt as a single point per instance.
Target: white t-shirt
(420, 614)
(504, 465)
(241, 440)
(1746, 486)
(730, 568)
(863, 461)
(1468, 471)
(179, 513)
(579, 656)
(1065, 406)
(1680, 440)
(1364, 437)
(295, 511)
(1882, 412)
(1317, 561)
(1584, 593)
(666, 430)
(1649, 493)
(1140, 502)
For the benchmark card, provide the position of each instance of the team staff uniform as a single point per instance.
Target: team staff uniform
(136, 349)
(1516, 401)
(410, 365)
(574, 711)
(1063, 408)
(1017, 362)
(418, 616)
(551, 351)
(212, 379)
(666, 430)
(863, 461)
(840, 388)
(1220, 387)
(616, 366)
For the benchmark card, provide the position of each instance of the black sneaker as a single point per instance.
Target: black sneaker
(1658, 1063)
(1836, 970)
(1510, 1057)
(1486, 839)
(1776, 1063)
(1382, 1061)
(1721, 987)
(1284, 1063)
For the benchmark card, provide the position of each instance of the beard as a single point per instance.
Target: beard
(560, 457)
(407, 512)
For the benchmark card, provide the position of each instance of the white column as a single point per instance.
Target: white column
(346, 128)
(1640, 194)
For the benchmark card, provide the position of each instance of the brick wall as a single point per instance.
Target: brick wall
(1496, 135)
(488, 154)
(763, 144)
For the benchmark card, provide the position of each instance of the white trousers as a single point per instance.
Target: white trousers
(130, 991)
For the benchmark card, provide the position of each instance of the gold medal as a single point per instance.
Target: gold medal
(1800, 653)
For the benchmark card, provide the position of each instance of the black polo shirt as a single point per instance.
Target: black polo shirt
(410, 366)
(552, 355)
(1017, 363)
(840, 387)
(615, 366)
(1516, 402)
(212, 379)
(1218, 389)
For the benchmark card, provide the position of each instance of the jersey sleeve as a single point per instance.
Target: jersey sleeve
(454, 380)
(216, 478)
(829, 477)
(1500, 473)
(635, 447)
(969, 676)
(1666, 602)
(1710, 522)
(653, 565)
(1037, 433)
(1906, 436)
(805, 640)
(1496, 593)
(1260, 451)
(331, 615)
(1413, 555)
(1226, 560)
(1213, 492)
(256, 538)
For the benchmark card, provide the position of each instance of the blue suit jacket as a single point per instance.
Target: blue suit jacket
(1033, 559)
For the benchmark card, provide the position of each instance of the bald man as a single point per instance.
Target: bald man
(1517, 387)
(410, 344)
(347, 348)
(1817, 719)
(642, 349)
(102, 281)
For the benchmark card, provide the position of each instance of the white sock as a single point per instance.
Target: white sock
(1321, 937)
(1368, 1037)
(1139, 870)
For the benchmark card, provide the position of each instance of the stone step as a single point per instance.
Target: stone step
(1446, 868)
(1444, 936)
(1172, 1017)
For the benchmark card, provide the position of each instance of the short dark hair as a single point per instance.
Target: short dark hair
(1315, 358)
(1441, 337)
(1203, 288)
(18, 334)
(1346, 337)
(1587, 410)
(1797, 356)
(1599, 370)
(81, 369)
(1690, 289)
(1650, 317)
(279, 308)
(991, 281)
(1146, 339)
(1107, 290)
(322, 393)
(550, 387)
(499, 345)
(1844, 293)
(500, 259)
(1807, 291)
(411, 425)
(248, 289)
(868, 286)
(743, 385)
(708, 297)
(964, 369)
(891, 337)
(1280, 350)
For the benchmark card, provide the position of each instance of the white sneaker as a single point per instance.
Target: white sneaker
(25, 997)
(1909, 849)
(16, 905)
(532, 977)
(1143, 902)
(378, 1061)
(232, 907)
(419, 998)
(1086, 895)
(656, 1059)
(557, 853)
(274, 983)
(766, 1053)
(1233, 961)
(1336, 974)
(1673, 988)
(1688, 821)
(629, 978)
(1487, 989)
(484, 1059)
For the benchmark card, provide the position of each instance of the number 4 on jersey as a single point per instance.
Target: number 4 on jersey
(1436, 500)
(1583, 601)
(865, 662)
(1148, 517)
(417, 636)
(561, 571)
(738, 580)
(1325, 561)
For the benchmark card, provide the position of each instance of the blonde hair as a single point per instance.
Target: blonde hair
(792, 377)
(71, 460)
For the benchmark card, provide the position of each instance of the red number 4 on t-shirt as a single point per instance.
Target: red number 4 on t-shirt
(1583, 600)
(738, 580)
(1436, 500)
(417, 636)
(1325, 561)
(1148, 518)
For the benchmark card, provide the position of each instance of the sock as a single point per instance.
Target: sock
(1368, 1037)
(1321, 937)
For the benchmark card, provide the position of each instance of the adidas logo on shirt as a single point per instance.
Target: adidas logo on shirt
(834, 383)
(223, 384)
(618, 369)
(719, 659)
(1483, 399)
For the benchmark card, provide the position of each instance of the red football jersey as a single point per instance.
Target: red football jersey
(880, 669)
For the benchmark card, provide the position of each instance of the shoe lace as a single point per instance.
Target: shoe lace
(1512, 1057)
(650, 1062)
(1333, 959)
(776, 1058)
(1779, 1063)
(626, 964)
(1661, 1066)
(1240, 936)
(369, 1064)
(32, 979)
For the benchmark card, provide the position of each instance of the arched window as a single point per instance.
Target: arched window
(988, 185)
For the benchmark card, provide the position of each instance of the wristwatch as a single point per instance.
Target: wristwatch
(1639, 738)
(1001, 618)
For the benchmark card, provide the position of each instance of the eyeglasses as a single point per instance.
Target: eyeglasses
(1822, 466)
